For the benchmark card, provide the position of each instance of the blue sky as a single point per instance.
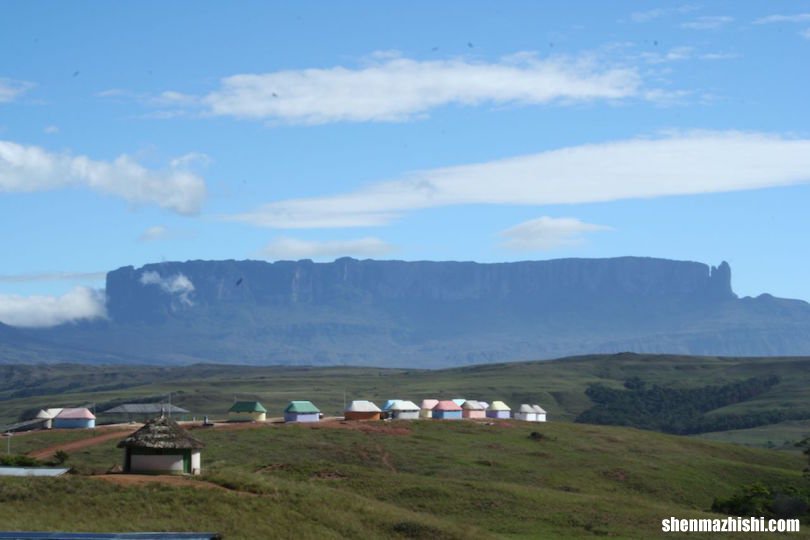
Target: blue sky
(488, 131)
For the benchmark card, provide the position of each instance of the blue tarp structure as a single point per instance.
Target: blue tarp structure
(109, 536)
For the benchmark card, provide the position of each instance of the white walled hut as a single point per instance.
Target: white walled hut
(540, 413)
(499, 409)
(48, 415)
(402, 409)
(526, 412)
(161, 446)
(426, 408)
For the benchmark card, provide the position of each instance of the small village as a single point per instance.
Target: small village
(164, 446)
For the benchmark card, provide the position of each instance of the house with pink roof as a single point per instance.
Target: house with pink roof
(447, 410)
(77, 418)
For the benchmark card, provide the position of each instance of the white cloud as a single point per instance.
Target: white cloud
(81, 303)
(674, 54)
(794, 18)
(391, 89)
(678, 54)
(114, 92)
(177, 285)
(711, 22)
(805, 33)
(170, 98)
(153, 233)
(190, 160)
(677, 164)
(50, 130)
(652, 14)
(719, 56)
(11, 89)
(293, 248)
(53, 276)
(545, 233)
(31, 168)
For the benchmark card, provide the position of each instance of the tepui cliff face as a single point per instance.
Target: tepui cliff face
(430, 314)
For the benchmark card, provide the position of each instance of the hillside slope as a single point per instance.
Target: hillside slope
(424, 479)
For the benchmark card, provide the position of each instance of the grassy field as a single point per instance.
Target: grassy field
(780, 436)
(423, 479)
(559, 386)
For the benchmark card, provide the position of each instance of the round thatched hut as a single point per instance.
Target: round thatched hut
(161, 446)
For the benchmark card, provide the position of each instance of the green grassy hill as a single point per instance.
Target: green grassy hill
(558, 385)
(425, 479)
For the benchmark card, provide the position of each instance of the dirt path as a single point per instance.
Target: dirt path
(121, 431)
(45, 453)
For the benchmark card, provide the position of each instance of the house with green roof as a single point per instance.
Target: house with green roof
(247, 411)
(301, 411)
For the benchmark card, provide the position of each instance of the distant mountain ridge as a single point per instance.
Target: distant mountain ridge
(426, 314)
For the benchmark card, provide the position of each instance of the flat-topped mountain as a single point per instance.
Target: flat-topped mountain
(429, 314)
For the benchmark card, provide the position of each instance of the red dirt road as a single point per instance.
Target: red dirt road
(45, 453)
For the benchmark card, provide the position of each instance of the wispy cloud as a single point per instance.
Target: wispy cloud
(31, 168)
(294, 248)
(709, 22)
(11, 89)
(652, 14)
(177, 285)
(794, 18)
(51, 130)
(675, 54)
(677, 164)
(719, 56)
(81, 303)
(394, 89)
(546, 233)
(805, 33)
(53, 276)
(681, 54)
(151, 234)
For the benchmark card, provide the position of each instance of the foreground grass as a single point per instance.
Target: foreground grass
(413, 480)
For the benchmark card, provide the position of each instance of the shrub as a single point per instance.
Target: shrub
(19, 460)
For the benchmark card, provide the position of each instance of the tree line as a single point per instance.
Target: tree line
(682, 411)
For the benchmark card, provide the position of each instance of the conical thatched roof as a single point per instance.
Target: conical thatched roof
(163, 433)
